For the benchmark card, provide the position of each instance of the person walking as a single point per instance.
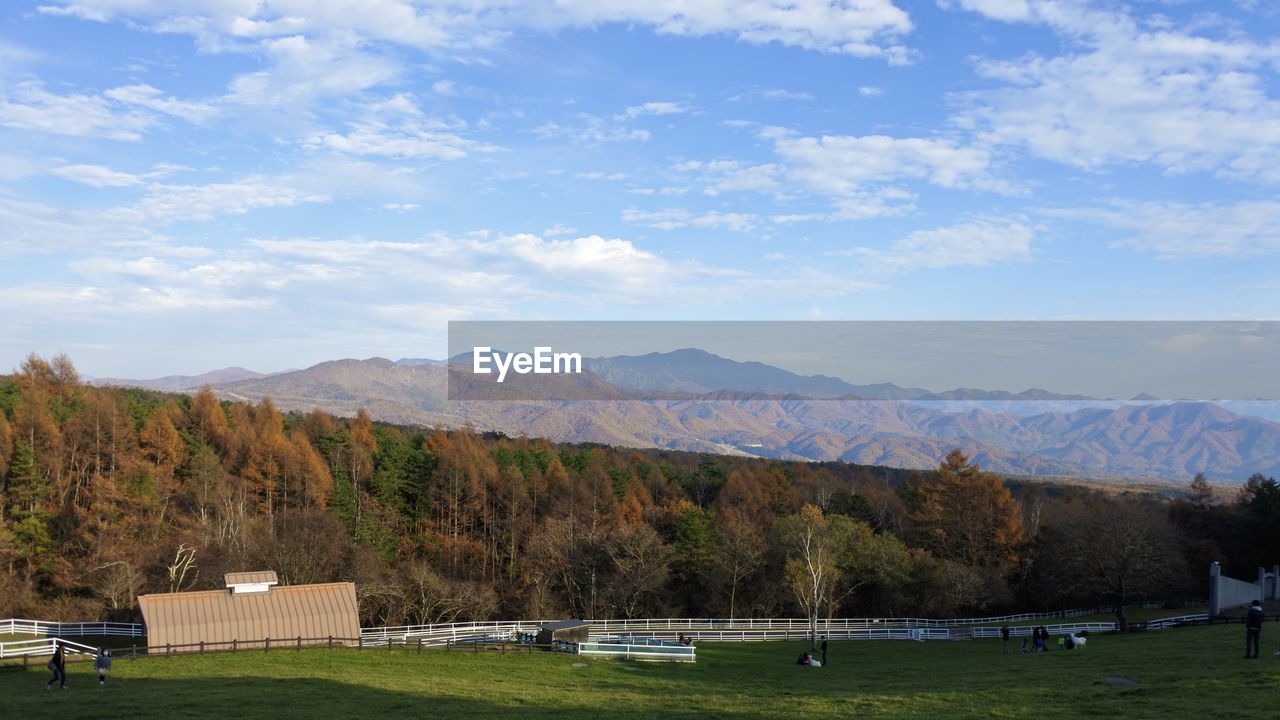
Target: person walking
(1004, 635)
(102, 664)
(824, 651)
(1253, 630)
(58, 664)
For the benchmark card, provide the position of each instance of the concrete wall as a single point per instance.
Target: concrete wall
(1225, 592)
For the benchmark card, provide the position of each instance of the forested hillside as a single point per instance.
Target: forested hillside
(109, 493)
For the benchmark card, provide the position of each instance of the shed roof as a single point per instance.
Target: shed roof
(251, 578)
(213, 616)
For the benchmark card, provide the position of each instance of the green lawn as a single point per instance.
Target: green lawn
(1186, 672)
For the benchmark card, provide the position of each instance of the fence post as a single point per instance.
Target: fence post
(168, 650)
(201, 647)
(419, 646)
(266, 645)
(234, 643)
(360, 643)
(299, 642)
(330, 642)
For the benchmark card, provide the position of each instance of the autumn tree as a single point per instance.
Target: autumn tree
(738, 552)
(640, 568)
(1113, 551)
(363, 450)
(164, 451)
(6, 450)
(814, 544)
(207, 419)
(966, 515)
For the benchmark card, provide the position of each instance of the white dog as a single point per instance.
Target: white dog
(1079, 641)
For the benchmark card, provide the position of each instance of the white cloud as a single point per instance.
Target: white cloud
(1190, 230)
(653, 108)
(861, 175)
(407, 140)
(1160, 96)
(733, 176)
(869, 91)
(96, 176)
(981, 242)
(674, 218)
(401, 207)
(153, 99)
(168, 204)
(768, 94)
(592, 130)
(30, 107)
(866, 28)
(524, 266)
(557, 230)
(841, 165)
(15, 166)
(303, 70)
(600, 175)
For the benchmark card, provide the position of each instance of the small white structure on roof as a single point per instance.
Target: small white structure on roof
(251, 582)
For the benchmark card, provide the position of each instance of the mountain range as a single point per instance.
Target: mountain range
(700, 401)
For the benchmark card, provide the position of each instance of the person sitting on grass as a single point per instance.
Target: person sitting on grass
(808, 659)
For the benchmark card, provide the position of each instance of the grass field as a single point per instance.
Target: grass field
(1182, 673)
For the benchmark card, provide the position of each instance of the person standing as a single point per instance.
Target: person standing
(824, 651)
(102, 664)
(1004, 635)
(1253, 630)
(58, 664)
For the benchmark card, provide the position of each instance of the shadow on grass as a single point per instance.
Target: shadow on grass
(22, 695)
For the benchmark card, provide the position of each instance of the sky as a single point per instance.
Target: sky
(193, 184)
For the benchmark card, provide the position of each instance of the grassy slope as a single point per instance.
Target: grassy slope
(1183, 673)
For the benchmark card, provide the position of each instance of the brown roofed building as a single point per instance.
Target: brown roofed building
(252, 609)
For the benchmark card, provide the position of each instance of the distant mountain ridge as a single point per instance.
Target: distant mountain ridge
(1169, 440)
(174, 383)
(690, 370)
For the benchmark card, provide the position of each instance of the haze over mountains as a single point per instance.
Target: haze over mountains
(711, 403)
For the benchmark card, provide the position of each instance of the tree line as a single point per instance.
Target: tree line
(108, 493)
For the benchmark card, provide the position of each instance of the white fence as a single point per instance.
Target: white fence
(766, 634)
(1025, 630)
(620, 648)
(739, 629)
(42, 646)
(80, 629)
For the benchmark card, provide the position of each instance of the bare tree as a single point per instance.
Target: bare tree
(182, 571)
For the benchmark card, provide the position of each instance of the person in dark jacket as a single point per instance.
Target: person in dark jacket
(102, 664)
(1004, 635)
(824, 651)
(1253, 630)
(58, 664)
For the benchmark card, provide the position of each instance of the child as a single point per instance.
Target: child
(103, 665)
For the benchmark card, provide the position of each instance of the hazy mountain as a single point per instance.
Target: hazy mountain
(697, 371)
(174, 383)
(1167, 440)
(417, 361)
(694, 371)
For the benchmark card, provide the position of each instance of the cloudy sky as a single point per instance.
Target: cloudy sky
(191, 184)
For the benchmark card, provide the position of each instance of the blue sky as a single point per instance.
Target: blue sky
(192, 184)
